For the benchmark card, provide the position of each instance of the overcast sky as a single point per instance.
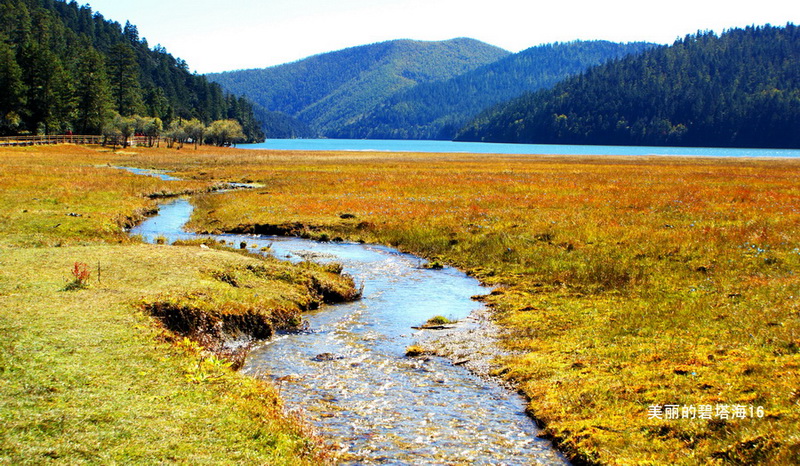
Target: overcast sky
(214, 35)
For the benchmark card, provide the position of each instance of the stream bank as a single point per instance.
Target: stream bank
(230, 319)
(348, 373)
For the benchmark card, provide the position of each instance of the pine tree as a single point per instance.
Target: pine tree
(131, 32)
(158, 104)
(15, 20)
(12, 90)
(93, 93)
(44, 77)
(123, 72)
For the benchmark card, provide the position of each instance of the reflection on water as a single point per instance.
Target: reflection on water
(349, 374)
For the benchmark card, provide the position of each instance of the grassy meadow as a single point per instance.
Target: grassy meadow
(621, 283)
(86, 376)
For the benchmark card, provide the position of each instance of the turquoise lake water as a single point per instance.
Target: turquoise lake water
(383, 145)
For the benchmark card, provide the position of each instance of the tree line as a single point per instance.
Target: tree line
(120, 129)
(65, 68)
(737, 89)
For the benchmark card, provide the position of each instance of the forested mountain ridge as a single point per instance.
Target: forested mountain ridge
(437, 110)
(331, 90)
(738, 89)
(280, 125)
(65, 68)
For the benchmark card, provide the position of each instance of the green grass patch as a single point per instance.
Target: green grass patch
(85, 375)
(88, 378)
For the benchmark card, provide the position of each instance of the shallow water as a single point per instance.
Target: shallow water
(155, 173)
(349, 374)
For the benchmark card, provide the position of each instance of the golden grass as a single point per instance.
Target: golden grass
(59, 195)
(623, 282)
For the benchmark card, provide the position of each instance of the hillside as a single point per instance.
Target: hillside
(438, 109)
(331, 90)
(64, 68)
(738, 89)
(280, 125)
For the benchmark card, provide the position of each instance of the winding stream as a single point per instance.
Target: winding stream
(349, 375)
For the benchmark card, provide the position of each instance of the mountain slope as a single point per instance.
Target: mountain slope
(436, 110)
(741, 88)
(334, 89)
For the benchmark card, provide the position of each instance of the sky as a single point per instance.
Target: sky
(214, 35)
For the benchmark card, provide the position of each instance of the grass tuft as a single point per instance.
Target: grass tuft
(439, 320)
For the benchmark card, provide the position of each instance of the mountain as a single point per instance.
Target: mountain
(64, 67)
(437, 110)
(738, 89)
(332, 90)
(282, 126)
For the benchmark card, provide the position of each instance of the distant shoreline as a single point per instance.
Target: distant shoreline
(436, 146)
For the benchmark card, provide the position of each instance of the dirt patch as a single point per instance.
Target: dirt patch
(286, 229)
(228, 336)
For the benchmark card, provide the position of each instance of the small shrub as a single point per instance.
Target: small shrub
(80, 272)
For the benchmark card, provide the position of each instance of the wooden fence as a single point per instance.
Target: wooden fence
(54, 139)
(133, 141)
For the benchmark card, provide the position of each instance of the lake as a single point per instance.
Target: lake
(384, 145)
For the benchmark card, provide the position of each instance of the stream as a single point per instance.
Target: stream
(348, 374)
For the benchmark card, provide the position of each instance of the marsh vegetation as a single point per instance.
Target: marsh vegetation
(624, 282)
(621, 283)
